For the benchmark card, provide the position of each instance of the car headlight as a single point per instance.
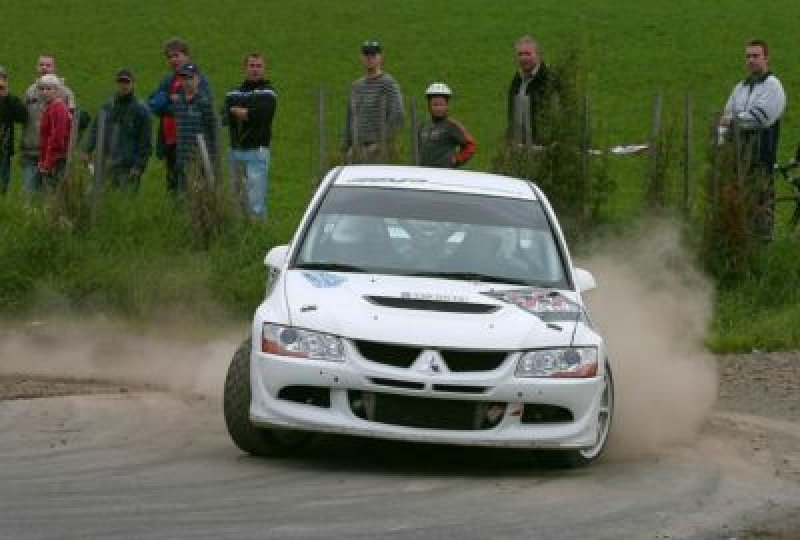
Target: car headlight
(568, 362)
(299, 343)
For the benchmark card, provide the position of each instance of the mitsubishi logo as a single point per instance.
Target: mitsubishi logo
(431, 362)
(434, 365)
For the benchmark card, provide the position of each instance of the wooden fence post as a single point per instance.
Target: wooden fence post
(414, 132)
(656, 187)
(99, 162)
(205, 158)
(687, 155)
(323, 162)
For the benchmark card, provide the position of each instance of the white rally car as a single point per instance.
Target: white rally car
(425, 305)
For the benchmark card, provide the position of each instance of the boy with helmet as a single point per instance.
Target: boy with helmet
(443, 142)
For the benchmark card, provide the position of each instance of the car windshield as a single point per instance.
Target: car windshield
(431, 233)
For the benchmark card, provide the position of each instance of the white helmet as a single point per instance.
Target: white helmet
(438, 89)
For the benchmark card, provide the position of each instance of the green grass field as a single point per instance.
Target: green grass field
(141, 258)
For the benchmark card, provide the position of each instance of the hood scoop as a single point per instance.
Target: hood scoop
(431, 305)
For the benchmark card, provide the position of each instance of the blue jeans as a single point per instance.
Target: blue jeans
(31, 180)
(249, 173)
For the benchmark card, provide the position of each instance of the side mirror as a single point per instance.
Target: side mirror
(276, 257)
(584, 280)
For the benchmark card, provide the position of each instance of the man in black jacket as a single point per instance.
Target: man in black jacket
(248, 111)
(126, 137)
(527, 92)
(12, 110)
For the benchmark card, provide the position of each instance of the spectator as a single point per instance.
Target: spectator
(194, 114)
(529, 87)
(12, 110)
(754, 109)
(248, 111)
(755, 106)
(375, 110)
(29, 143)
(162, 101)
(443, 142)
(54, 133)
(126, 140)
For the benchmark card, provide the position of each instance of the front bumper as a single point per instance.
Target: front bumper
(269, 374)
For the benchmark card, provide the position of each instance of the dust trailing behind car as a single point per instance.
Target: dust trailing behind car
(654, 307)
(93, 353)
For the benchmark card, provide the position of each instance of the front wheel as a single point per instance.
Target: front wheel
(236, 407)
(585, 456)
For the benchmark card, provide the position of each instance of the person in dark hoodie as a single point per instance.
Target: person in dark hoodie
(162, 101)
(527, 92)
(12, 110)
(248, 111)
(127, 141)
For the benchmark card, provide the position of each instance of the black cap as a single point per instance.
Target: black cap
(188, 69)
(124, 75)
(370, 46)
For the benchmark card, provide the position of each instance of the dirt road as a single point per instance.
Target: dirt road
(130, 459)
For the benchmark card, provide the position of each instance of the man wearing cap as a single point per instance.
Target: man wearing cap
(54, 133)
(248, 111)
(194, 115)
(375, 110)
(527, 92)
(12, 110)
(161, 103)
(34, 102)
(126, 136)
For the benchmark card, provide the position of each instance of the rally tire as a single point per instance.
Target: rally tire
(236, 408)
(586, 456)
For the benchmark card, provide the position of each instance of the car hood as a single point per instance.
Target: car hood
(425, 311)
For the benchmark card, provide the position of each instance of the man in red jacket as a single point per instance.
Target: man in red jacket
(54, 132)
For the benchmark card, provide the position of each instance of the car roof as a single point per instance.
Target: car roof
(433, 179)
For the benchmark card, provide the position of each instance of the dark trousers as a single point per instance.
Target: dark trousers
(5, 172)
(173, 174)
(50, 180)
(121, 179)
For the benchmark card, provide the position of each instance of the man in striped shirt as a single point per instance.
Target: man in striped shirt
(194, 115)
(374, 112)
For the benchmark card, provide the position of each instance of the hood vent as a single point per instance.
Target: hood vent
(432, 305)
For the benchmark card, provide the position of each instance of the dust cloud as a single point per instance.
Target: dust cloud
(171, 360)
(654, 308)
(652, 304)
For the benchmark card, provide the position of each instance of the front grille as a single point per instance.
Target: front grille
(421, 412)
(308, 395)
(398, 384)
(404, 356)
(460, 361)
(460, 388)
(537, 413)
(432, 305)
(384, 353)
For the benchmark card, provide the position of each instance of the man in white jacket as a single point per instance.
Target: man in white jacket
(754, 109)
(756, 105)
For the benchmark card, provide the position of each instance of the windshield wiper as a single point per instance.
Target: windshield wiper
(336, 267)
(473, 276)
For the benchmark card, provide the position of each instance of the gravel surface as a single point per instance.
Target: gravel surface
(751, 443)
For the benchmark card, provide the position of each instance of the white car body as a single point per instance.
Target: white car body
(461, 340)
